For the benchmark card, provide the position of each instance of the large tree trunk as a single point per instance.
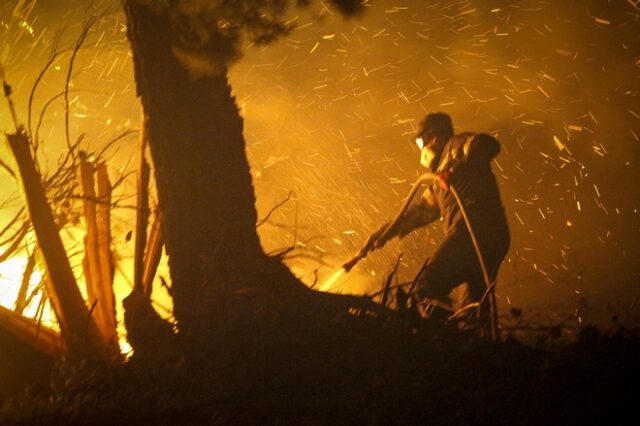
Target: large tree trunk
(202, 175)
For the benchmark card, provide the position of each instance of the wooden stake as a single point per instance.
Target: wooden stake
(152, 254)
(97, 262)
(142, 214)
(105, 257)
(91, 261)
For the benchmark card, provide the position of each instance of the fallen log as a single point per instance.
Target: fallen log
(43, 339)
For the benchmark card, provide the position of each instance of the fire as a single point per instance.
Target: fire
(11, 274)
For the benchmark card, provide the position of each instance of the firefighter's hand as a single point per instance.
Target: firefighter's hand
(373, 242)
(443, 181)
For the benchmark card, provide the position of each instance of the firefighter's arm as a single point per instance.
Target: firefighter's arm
(480, 149)
(418, 215)
(473, 151)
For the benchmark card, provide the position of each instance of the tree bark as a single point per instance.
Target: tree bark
(202, 174)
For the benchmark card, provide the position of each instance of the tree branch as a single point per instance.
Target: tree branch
(276, 207)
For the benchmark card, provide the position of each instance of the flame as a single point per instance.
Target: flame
(11, 273)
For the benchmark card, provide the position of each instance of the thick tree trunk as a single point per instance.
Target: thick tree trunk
(202, 175)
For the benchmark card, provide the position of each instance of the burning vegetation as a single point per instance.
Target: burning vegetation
(186, 267)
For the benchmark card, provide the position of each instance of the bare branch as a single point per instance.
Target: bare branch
(387, 282)
(52, 57)
(7, 95)
(16, 240)
(61, 167)
(42, 112)
(276, 207)
(8, 169)
(81, 39)
(115, 139)
(12, 221)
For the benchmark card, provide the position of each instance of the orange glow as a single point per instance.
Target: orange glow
(332, 282)
(11, 273)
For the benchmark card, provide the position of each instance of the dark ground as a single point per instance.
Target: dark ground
(355, 371)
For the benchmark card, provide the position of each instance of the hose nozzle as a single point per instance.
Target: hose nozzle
(348, 266)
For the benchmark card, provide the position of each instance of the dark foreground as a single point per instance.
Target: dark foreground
(353, 372)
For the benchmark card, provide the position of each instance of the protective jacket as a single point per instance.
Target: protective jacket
(465, 163)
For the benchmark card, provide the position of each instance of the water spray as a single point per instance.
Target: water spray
(370, 245)
(422, 180)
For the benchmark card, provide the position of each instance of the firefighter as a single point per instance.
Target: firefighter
(452, 277)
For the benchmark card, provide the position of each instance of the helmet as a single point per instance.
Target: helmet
(435, 124)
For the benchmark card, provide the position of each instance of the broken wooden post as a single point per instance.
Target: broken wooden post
(152, 254)
(90, 262)
(97, 262)
(78, 327)
(105, 257)
(142, 215)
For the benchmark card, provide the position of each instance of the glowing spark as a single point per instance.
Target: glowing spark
(559, 144)
(543, 92)
(602, 21)
(27, 27)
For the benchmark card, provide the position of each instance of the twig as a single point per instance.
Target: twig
(12, 221)
(42, 112)
(61, 167)
(52, 57)
(276, 207)
(387, 282)
(8, 169)
(7, 95)
(400, 285)
(15, 239)
(81, 39)
(115, 139)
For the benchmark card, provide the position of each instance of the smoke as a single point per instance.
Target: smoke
(331, 108)
(330, 112)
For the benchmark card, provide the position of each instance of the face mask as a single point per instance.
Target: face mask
(427, 156)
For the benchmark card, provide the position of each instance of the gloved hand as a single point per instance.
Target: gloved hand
(443, 180)
(373, 242)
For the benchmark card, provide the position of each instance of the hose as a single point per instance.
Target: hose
(485, 274)
(427, 178)
(422, 180)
